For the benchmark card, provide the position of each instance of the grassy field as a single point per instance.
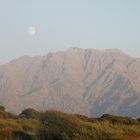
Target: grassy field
(55, 125)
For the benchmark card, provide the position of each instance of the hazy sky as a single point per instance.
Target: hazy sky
(61, 24)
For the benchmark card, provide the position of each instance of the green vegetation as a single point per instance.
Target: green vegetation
(55, 125)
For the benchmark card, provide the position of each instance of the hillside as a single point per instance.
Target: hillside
(55, 125)
(83, 81)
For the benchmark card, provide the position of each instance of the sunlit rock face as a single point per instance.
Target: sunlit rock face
(81, 81)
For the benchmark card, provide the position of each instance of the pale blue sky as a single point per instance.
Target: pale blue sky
(61, 24)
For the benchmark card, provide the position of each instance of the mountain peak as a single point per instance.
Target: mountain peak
(110, 50)
(84, 81)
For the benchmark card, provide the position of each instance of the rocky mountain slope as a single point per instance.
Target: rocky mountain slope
(83, 81)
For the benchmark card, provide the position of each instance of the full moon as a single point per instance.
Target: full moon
(31, 30)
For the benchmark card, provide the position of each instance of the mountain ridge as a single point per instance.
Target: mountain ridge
(59, 51)
(84, 81)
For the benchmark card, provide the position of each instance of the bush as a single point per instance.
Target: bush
(29, 113)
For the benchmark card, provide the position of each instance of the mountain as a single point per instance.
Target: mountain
(82, 81)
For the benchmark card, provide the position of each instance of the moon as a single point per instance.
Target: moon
(31, 30)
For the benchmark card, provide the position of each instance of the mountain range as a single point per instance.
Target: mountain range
(81, 81)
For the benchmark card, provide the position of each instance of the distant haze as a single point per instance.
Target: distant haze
(63, 24)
